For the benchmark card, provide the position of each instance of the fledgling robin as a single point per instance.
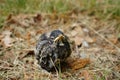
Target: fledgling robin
(51, 48)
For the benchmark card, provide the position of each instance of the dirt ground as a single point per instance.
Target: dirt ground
(95, 47)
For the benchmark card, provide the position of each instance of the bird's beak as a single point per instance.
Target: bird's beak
(59, 38)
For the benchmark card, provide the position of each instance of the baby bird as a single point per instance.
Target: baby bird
(52, 48)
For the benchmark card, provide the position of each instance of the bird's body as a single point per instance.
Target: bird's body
(51, 48)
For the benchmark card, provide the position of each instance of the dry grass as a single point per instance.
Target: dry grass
(17, 61)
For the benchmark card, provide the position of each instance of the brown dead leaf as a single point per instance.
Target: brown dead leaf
(1, 36)
(7, 40)
(17, 34)
(117, 67)
(39, 31)
(77, 34)
(78, 40)
(77, 30)
(114, 40)
(9, 17)
(19, 20)
(79, 63)
(24, 20)
(25, 53)
(52, 17)
(86, 75)
(28, 36)
(28, 76)
(74, 33)
(8, 56)
(90, 40)
(37, 18)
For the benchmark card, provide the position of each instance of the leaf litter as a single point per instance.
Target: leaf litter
(94, 54)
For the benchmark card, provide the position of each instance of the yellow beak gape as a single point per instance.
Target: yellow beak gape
(59, 38)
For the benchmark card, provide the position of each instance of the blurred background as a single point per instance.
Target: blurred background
(104, 9)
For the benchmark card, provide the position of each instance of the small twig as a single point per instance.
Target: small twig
(101, 69)
(28, 49)
(5, 68)
(4, 62)
(54, 65)
(96, 49)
